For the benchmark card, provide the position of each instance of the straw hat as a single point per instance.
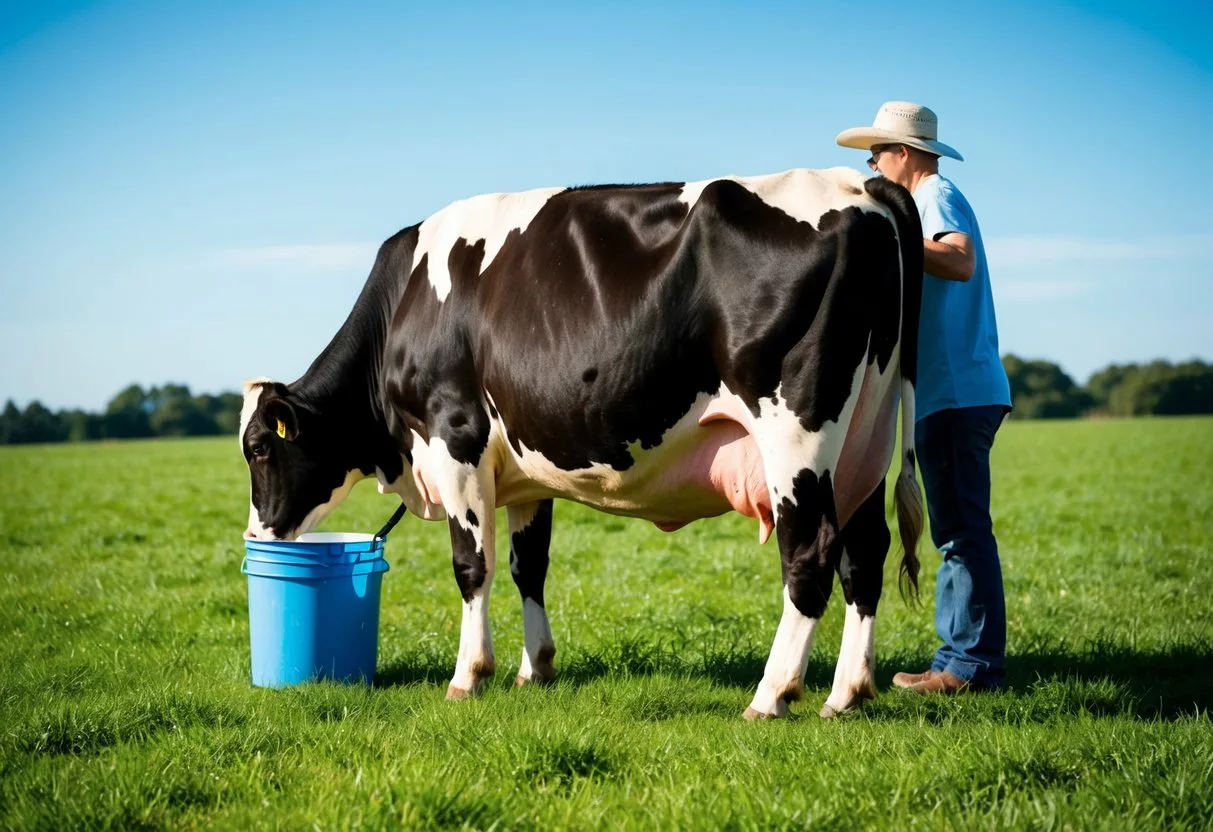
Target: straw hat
(900, 122)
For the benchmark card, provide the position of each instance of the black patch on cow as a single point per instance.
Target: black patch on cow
(602, 279)
(431, 375)
(910, 456)
(809, 544)
(624, 186)
(909, 232)
(819, 369)
(472, 519)
(865, 541)
(529, 554)
(492, 411)
(467, 560)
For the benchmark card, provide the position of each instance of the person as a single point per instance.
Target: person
(962, 397)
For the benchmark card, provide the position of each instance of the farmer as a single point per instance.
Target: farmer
(962, 397)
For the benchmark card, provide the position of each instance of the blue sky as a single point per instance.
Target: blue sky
(194, 192)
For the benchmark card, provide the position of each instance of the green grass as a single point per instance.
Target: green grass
(124, 671)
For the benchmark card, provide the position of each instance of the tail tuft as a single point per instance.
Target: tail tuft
(908, 499)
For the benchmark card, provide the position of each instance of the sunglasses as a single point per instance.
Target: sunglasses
(877, 149)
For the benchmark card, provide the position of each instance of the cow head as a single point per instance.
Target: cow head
(300, 463)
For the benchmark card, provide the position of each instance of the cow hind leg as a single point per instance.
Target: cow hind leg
(798, 466)
(799, 463)
(530, 537)
(808, 546)
(865, 540)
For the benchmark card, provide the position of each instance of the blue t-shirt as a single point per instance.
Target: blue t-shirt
(958, 360)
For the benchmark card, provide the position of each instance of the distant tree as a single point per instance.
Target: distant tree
(1164, 389)
(223, 408)
(10, 423)
(181, 416)
(127, 416)
(82, 426)
(35, 424)
(1101, 384)
(1042, 390)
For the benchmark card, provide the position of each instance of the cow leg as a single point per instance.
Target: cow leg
(530, 536)
(468, 495)
(865, 541)
(809, 545)
(808, 549)
(799, 465)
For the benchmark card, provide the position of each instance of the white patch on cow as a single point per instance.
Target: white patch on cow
(405, 487)
(475, 662)
(854, 675)
(802, 194)
(489, 217)
(252, 395)
(783, 678)
(656, 487)
(336, 498)
(522, 515)
(537, 641)
(787, 448)
(256, 530)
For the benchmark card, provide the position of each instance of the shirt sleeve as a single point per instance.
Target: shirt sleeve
(945, 214)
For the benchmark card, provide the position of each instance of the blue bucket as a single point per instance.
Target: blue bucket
(313, 606)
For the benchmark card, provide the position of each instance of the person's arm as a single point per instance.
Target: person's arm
(951, 257)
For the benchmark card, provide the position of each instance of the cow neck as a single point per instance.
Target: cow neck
(345, 380)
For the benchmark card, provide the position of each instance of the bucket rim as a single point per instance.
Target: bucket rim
(297, 571)
(322, 544)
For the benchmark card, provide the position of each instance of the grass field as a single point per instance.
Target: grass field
(124, 671)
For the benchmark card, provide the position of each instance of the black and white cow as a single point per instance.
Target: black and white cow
(669, 352)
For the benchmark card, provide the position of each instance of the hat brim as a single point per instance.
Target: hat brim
(862, 138)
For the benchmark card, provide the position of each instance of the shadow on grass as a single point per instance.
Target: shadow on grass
(1102, 680)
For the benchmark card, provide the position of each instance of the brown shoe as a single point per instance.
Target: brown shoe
(941, 683)
(905, 680)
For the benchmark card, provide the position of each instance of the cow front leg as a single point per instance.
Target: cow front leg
(808, 547)
(469, 500)
(861, 572)
(530, 537)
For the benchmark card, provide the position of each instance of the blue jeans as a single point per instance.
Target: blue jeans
(953, 449)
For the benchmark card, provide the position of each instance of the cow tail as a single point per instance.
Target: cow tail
(907, 496)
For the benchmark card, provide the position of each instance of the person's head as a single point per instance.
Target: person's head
(903, 142)
(901, 163)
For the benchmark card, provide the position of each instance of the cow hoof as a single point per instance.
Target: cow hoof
(752, 715)
(456, 694)
(850, 699)
(521, 681)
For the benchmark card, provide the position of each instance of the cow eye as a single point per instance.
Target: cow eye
(260, 450)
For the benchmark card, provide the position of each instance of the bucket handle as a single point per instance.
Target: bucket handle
(391, 523)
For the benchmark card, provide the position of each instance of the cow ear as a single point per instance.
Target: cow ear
(280, 417)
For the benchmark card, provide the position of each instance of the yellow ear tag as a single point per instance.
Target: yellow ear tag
(281, 429)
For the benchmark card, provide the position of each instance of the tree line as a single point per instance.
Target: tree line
(135, 413)
(1039, 390)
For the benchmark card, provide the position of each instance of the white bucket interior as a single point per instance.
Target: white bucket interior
(334, 537)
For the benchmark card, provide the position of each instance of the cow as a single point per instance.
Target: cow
(668, 351)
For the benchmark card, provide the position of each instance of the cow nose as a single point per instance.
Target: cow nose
(249, 534)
